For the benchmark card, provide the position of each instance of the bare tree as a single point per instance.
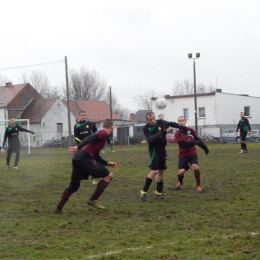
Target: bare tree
(3, 80)
(41, 83)
(86, 85)
(144, 101)
(187, 88)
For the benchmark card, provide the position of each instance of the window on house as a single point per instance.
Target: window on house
(247, 111)
(186, 113)
(59, 127)
(202, 112)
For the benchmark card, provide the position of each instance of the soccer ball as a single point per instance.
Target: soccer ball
(161, 102)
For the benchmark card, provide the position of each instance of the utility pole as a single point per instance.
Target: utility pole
(110, 102)
(68, 99)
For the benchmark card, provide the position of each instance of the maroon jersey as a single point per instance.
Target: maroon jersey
(190, 136)
(95, 147)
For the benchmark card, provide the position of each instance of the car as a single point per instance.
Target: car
(228, 136)
(254, 136)
(53, 143)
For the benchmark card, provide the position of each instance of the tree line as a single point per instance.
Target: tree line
(89, 85)
(83, 85)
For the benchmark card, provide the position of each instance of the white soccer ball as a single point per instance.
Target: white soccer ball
(161, 102)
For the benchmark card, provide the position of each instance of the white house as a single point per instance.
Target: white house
(215, 111)
(48, 119)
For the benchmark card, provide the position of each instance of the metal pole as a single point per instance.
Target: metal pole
(110, 101)
(68, 98)
(195, 97)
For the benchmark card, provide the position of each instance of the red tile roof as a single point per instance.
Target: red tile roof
(37, 109)
(96, 110)
(7, 94)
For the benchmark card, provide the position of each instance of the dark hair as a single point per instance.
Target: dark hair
(183, 117)
(149, 114)
(108, 123)
(82, 111)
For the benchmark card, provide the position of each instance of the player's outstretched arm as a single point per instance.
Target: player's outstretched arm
(112, 164)
(73, 149)
(202, 146)
(88, 140)
(21, 129)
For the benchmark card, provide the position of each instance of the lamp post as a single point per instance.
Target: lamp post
(195, 89)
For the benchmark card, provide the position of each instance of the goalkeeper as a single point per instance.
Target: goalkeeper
(12, 134)
(187, 141)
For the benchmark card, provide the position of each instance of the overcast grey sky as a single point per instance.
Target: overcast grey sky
(135, 45)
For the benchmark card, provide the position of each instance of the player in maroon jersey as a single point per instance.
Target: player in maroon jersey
(188, 153)
(87, 161)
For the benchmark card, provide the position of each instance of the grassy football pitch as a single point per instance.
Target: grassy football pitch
(221, 222)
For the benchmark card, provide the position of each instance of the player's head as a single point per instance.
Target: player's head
(182, 120)
(109, 125)
(241, 114)
(161, 116)
(82, 116)
(12, 121)
(150, 118)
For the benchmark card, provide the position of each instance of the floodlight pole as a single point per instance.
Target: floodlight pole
(195, 90)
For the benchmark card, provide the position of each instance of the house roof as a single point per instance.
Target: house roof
(7, 93)
(140, 115)
(37, 109)
(96, 111)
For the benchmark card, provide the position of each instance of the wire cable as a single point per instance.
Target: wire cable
(34, 65)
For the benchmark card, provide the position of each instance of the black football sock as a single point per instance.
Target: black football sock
(64, 198)
(180, 178)
(147, 184)
(242, 146)
(17, 158)
(160, 186)
(197, 176)
(245, 148)
(101, 186)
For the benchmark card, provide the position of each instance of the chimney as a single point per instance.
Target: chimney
(219, 90)
(8, 84)
(132, 117)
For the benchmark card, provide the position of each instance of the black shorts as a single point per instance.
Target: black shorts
(85, 167)
(157, 159)
(243, 135)
(14, 148)
(184, 163)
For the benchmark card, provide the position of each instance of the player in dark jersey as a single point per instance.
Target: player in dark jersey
(12, 134)
(244, 127)
(161, 116)
(187, 152)
(87, 161)
(84, 129)
(155, 131)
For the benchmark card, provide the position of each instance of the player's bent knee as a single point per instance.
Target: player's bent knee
(194, 167)
(73, 187)
(109, 177)
(181, 171)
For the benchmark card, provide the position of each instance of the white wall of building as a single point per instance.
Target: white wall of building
(221, 110)
(229, 107)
